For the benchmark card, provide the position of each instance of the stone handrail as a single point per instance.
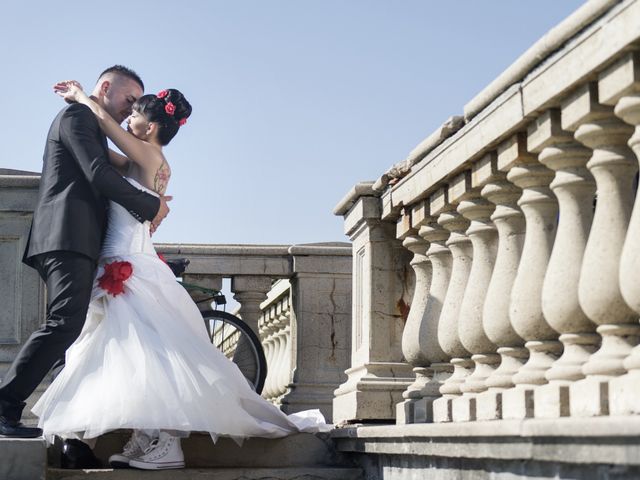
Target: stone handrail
(526, 298)
(538, 52)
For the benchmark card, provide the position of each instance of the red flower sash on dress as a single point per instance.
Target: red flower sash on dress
(115, 274)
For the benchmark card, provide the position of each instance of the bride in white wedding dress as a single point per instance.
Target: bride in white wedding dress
(144, 360)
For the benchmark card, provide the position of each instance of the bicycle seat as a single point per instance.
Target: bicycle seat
(178, 265)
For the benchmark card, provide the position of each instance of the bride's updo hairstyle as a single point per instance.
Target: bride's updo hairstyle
(168, 108)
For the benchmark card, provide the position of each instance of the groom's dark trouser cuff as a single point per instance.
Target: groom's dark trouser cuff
(69, 280)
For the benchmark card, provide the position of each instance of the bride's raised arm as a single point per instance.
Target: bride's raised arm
(120, 162)
(136, 150)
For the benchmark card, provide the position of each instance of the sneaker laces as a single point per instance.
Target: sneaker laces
(129, 447)
(153, 444)
(134, 445)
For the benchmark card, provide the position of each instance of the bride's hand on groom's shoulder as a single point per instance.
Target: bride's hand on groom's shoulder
(68, 90)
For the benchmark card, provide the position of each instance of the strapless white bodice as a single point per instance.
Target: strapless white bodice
(125, 235)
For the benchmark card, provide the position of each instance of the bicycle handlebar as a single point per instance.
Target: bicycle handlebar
(178, 265)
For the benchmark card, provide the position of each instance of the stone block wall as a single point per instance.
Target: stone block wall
(21, 291)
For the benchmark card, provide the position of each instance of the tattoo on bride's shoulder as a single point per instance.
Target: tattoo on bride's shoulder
(161, 178)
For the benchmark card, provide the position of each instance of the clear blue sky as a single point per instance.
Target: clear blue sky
(294, 101)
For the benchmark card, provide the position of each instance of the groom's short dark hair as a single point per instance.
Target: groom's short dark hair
(125, 72)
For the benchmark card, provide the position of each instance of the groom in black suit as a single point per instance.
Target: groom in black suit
(68, 224)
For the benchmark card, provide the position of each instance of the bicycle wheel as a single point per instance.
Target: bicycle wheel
(239, 344)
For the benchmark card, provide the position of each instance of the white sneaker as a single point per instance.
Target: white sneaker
(135, 447)
(163, 453)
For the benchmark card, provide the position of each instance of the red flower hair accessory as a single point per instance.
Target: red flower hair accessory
(182, 121)
(115, 274)
(162, 93)
(170, 108)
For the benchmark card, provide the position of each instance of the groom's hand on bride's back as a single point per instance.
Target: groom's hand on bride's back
(163, 211)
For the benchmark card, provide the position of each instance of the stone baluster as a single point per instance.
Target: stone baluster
(250, 291)
(270, 382)
(613, 166)
(263, 332)
(288, 370)
(279, 350)
(378, 375)
(421, 336)
(284, 367)
(276, 352)
(272, 371)
(413, 347)
(266, 334)
(448, 332)
(509, 221)
(575, 189)
(540, 209)
(484, 239)
(619, 85)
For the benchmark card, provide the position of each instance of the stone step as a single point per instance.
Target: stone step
(297, 457)
(298, 473)
(23, 459)
(299, 450)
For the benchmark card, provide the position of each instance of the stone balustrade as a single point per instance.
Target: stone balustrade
(297, 299)
(496, 292)
(521, 230)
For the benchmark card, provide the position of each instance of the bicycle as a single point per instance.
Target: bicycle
(228, 333)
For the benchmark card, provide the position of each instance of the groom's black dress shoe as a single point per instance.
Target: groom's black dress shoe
(77, 455)
(14, 429)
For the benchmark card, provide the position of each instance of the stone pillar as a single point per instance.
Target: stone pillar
(620, 86)
(448, 331)
(420, 336)
(320, 326)
(575, 189)
(540, 209)
(613, 166)
(378, 374)
(484, 239)
(510, 224)
(22, 292)
(250, 291)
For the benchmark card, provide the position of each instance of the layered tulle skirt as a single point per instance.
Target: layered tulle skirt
(144, 361)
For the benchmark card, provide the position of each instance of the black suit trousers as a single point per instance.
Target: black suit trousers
(69, 280)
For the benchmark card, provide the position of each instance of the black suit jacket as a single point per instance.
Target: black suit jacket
(77, 182)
